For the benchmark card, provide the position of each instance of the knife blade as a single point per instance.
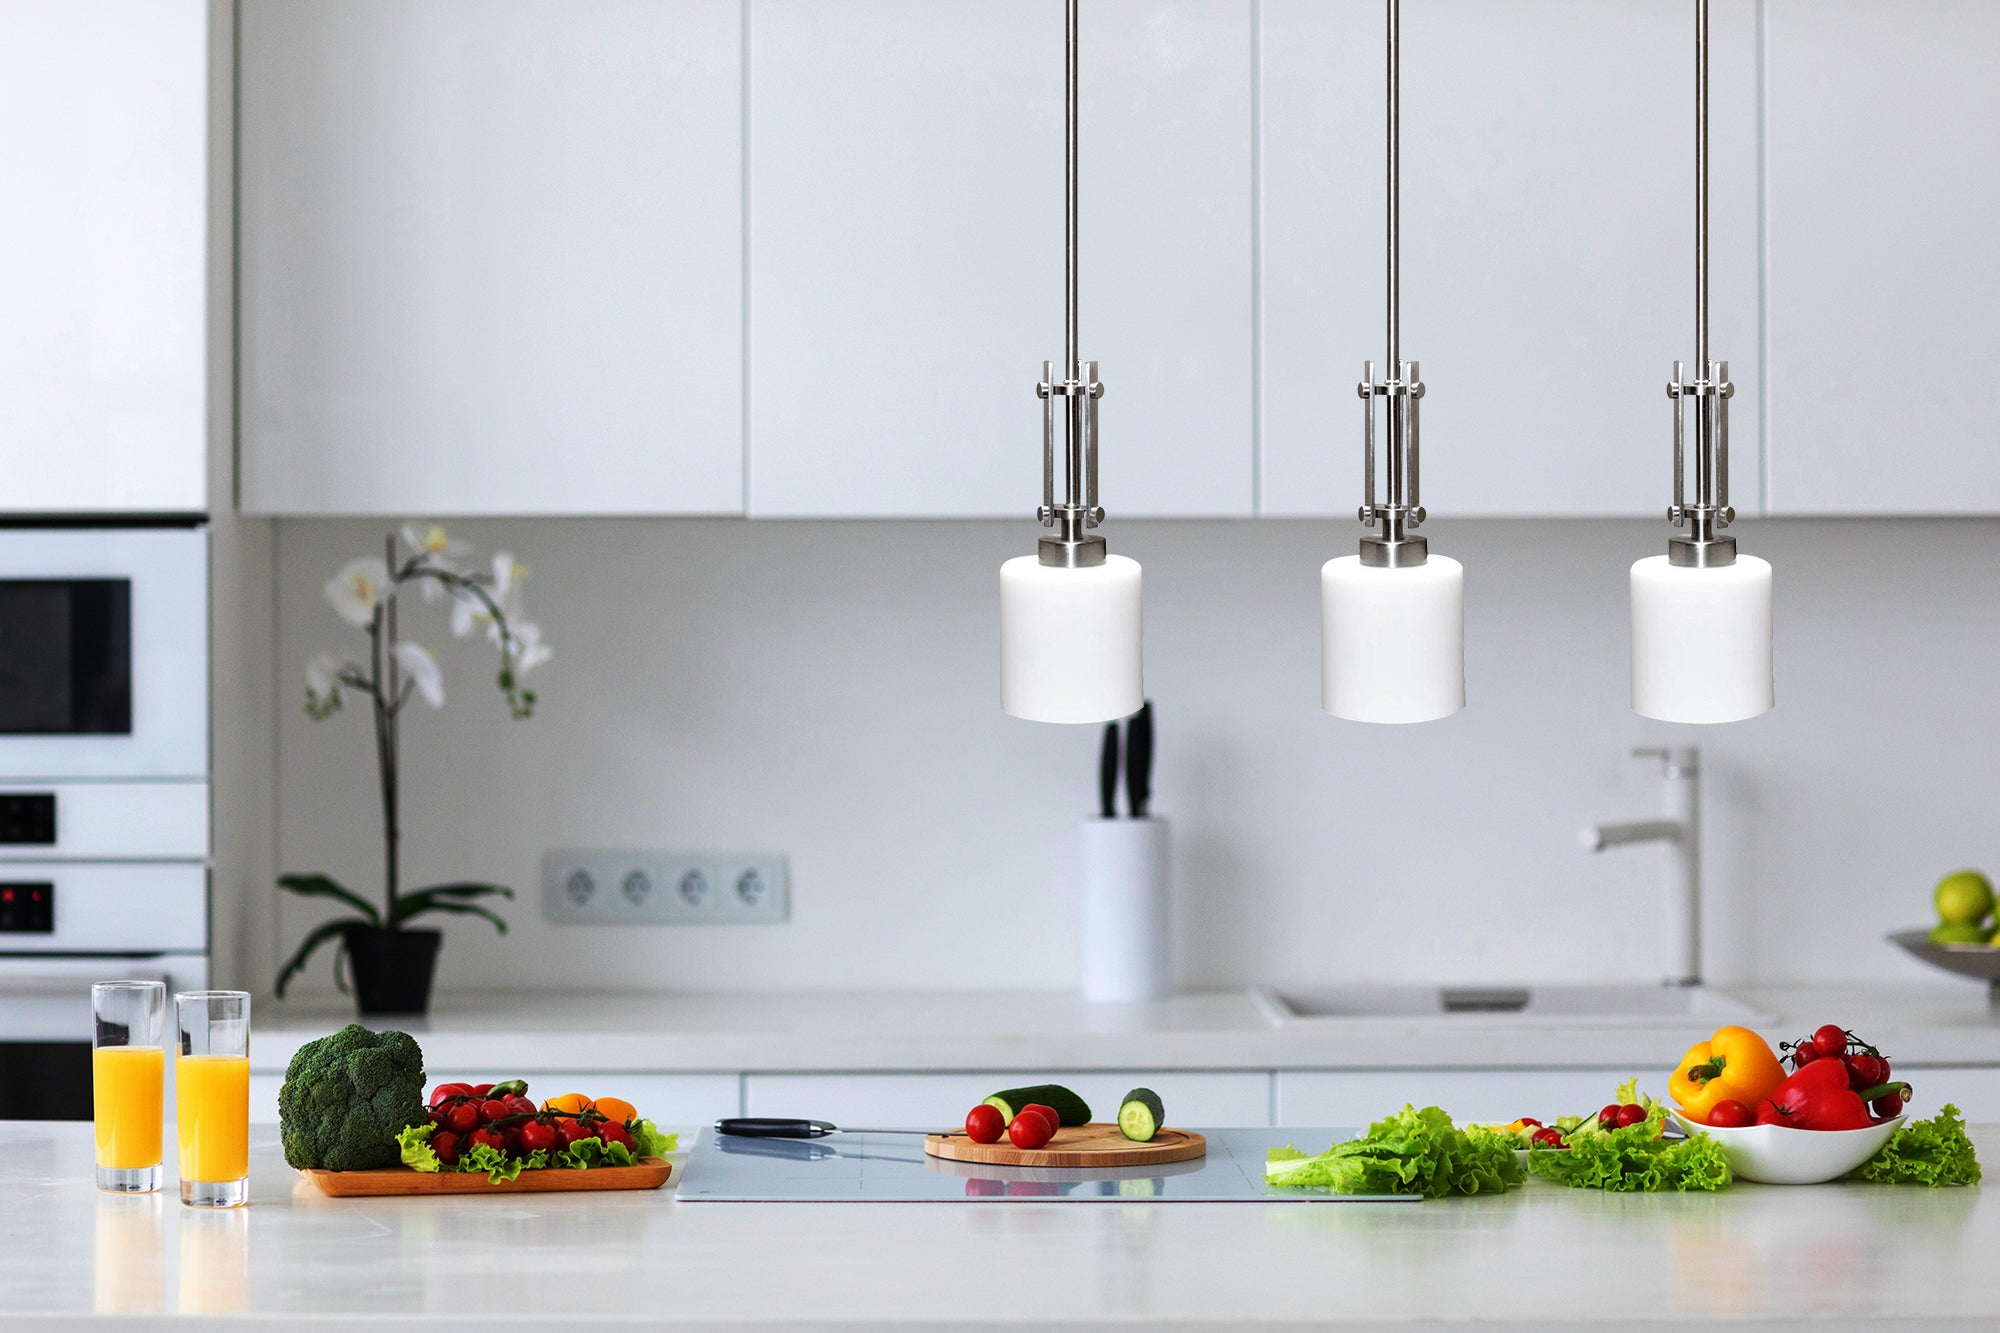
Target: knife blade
(769, 1127)
(1139, 760)
(1107, 773)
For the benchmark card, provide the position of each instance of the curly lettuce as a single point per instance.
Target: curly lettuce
(1634, 1159)
(1412, 1152)
(1930, 1152)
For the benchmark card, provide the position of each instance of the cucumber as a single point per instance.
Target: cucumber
(1140, 1114)
(1071, 1109)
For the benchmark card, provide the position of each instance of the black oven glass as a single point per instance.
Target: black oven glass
(45, 1080)
(65, 657)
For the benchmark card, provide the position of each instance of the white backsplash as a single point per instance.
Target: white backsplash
(829, 690)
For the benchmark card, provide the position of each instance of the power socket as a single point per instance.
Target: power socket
(600, 888)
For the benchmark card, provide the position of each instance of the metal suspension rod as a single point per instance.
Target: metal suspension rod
(1073, 490)
(1701, 188)
(1392, 230)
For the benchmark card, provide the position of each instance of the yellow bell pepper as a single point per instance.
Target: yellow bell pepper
(1734, 1065)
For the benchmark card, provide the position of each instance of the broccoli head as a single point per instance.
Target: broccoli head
(347, 1096)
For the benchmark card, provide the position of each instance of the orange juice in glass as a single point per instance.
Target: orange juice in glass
(212, 1096)
(127, 1068)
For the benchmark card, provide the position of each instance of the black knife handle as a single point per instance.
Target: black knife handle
(756, 1127)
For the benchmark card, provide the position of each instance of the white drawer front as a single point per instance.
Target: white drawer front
(1355, 1098)
(138, 908)
(671, 1101)
(908, 1100)
(159, 820)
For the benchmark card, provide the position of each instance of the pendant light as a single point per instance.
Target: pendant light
(1069, 614)
(1701, 614)
(1392, 619)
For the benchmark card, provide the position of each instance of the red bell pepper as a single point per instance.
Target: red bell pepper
(1818, 1096)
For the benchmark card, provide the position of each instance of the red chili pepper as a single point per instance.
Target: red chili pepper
(1818, 1096)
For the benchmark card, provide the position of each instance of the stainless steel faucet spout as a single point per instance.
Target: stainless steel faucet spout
(1680, 829)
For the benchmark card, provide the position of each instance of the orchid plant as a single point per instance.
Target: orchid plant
(367, 593)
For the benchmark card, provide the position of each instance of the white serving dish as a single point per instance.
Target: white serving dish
(1780, 1155)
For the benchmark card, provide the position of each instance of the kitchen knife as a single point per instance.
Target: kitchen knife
(1139, 760)
(1107, 773)
(763, 1127)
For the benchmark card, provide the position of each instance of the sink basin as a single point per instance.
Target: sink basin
(1511, 1006)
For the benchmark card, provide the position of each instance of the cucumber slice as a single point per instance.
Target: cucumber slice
(1140, 1115)
(1071, 1109)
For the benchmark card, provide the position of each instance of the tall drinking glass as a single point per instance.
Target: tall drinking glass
(212, 1094)
(127, 1069)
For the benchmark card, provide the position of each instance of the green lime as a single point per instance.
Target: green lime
(1958, 932)
(1964, 898)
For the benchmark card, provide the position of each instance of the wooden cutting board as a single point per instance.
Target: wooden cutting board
(648, 1173)
(1089, 1145)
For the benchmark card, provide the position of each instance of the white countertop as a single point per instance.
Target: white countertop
(1757, 1256)
(980, 1030)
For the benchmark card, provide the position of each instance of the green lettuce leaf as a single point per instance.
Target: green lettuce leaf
(586, 1153)
(1925, 1152)
(497, 1165)
(1635, 1158)
(1412, 1152)
(416, 1145)
(650, 1142)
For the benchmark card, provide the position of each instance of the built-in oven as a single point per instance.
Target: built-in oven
(104, 814)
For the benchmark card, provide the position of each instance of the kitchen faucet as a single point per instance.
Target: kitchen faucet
(1680, 803)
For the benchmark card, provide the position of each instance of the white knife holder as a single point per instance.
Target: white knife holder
(1127, 883)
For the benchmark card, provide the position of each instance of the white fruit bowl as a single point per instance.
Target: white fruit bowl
(1781, 1155)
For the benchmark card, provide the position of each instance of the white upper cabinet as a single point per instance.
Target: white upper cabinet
(1548, 247)
(906, 252)
(103, 255)
(491, 256)
(1884, 127)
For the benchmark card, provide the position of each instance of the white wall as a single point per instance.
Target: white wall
(829, 690)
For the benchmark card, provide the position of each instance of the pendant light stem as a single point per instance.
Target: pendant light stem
(1392, 231)
(1701, 187)
(1075, 381)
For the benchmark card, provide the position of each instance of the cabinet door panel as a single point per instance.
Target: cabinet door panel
(103, 255)
(491, 256)
(1884, 276)
(906, 252)
(941, 1100)
(1548, 247)
(1358, 1097)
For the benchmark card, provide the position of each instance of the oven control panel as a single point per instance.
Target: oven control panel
(27, 909)
(28, 818)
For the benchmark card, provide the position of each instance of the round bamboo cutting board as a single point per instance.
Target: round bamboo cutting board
(1082, 1145)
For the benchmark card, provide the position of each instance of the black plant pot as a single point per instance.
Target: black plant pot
(392, 969)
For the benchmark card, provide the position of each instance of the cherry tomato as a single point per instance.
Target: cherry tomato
(1888, 1105)
(613, 1132)
(1829, 1039)
(1551, 1138)
(985, 1124)
(445, 1144)
(512, 1137)
(1631, 1113)
(462, 1118)
(1730, 1115)
(1883, 1060)
(1803, 1053)
(1029, 1131)
(1047, 1113)
(492, 1138)
(444, 1090)
(1864, 1071)
(540, 1136)
(571, 1130)
(1608, 1117)
(492, 1109)
(518, 1105)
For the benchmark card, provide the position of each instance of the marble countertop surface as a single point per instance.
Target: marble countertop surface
(1750, 1257)
(978, 1030)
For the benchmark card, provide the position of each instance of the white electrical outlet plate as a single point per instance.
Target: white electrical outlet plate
(600, 888)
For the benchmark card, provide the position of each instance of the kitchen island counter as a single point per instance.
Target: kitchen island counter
(1752, 1257)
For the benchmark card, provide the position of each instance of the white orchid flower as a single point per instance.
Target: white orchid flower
(323, 676)
(434, 548)
(528, 648)
(422, 669)
(357, 588)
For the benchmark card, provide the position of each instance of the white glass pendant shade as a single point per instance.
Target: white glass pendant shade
(1392, 641)
(1070, 640)
(1701, 640)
